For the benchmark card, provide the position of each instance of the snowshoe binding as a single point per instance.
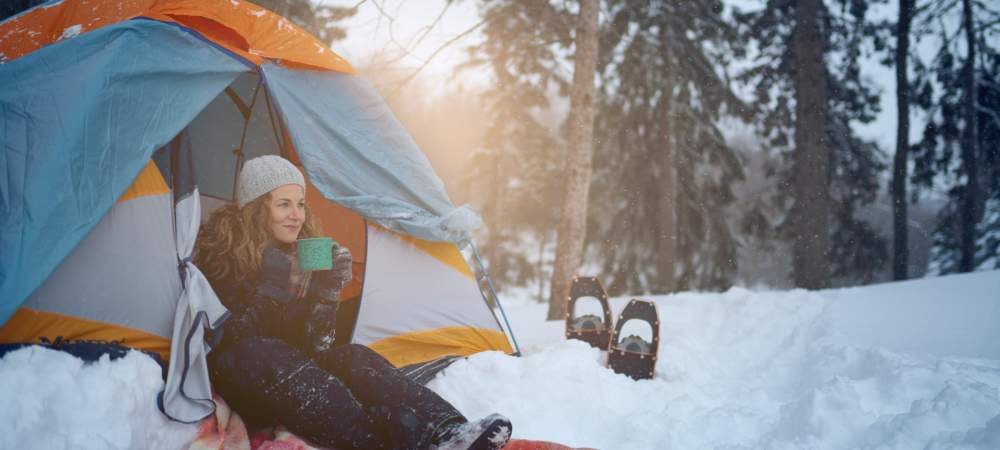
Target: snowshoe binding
(632, 355)
(589, 328)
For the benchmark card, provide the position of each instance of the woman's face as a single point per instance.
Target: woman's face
(288, 212)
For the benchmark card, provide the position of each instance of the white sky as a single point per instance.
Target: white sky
(400, 27)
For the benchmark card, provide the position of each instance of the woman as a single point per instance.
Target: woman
(276, 362)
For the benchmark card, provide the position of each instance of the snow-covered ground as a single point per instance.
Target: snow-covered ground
(900, 365)
(51, 400)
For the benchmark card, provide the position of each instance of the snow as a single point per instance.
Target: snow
(54, 401)
(900, 365)
(71, 32)
(895, 366)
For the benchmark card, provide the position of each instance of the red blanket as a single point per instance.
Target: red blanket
(226, 431)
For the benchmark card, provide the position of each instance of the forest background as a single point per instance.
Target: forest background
(780, 143)
(695, 151)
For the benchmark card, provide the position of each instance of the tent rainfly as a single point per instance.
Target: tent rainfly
(125, 122)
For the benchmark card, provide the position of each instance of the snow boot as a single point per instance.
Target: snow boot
(632, 355)
(489, 433)
(588, 328)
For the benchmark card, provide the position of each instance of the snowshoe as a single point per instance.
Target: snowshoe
(632, 355)
(589, 328)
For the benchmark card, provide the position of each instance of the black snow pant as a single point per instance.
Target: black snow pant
(348, 397)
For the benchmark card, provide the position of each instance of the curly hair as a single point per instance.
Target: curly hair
(231, 243)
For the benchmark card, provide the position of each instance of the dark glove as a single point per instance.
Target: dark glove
(321, 327)
(326, 284)
(275, 273)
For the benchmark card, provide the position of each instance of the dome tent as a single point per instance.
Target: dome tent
(125, 122)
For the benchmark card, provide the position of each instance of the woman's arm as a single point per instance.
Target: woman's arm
(320, 318)
(256, 303)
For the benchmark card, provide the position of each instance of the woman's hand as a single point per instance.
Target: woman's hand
(324, 289)
(321, 327)
(275, 273)
(326, 284)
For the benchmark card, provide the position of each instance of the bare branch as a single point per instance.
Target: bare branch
(454, 39)
(430, 27)
(403, 49)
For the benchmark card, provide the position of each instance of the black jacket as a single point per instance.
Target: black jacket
(264, 303)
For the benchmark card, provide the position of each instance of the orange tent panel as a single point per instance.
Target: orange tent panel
(266, 34)
(46, 24)
(347, 228)
(245, 29)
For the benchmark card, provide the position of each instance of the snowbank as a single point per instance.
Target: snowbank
(52, 400)
(900, 365)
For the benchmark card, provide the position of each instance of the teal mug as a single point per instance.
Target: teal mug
(315, 253)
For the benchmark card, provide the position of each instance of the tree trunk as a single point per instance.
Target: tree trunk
(668, 179)
(811, 212)
(970, 203)
(901, 250)
(573, 223)
(668, 184)
(540, 266)
(494, 215)
(683, 216)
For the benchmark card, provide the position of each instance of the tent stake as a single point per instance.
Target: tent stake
(489, 282)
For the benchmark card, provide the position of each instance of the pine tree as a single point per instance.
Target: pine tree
(631, 227)
(830, 172)
(960, 143)
(988, 234)
(663, 170)
(515, 178)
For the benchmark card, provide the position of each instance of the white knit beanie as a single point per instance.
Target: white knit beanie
(264, 174)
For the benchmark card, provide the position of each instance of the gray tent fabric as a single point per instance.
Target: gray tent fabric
(129, 255)
(358, 155)
(222, 128)
(187, 396)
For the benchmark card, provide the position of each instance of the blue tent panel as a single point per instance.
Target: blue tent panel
(78, 121)
(358, 155)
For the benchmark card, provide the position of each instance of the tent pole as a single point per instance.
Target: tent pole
(496, 298)
(243, 137)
